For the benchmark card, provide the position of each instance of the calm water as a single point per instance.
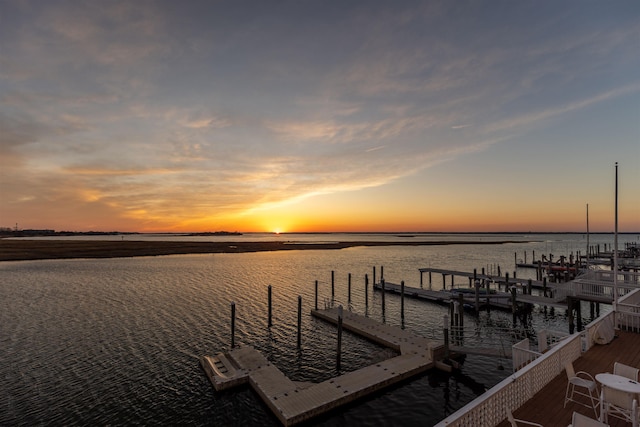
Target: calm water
(118, 341)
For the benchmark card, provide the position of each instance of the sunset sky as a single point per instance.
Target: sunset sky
(319, 115)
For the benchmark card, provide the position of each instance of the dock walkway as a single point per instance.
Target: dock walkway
(500, 300)
(294, 402)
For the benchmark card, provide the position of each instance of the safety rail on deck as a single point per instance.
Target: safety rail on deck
(600, 284)
(628, 312)
(510, 394)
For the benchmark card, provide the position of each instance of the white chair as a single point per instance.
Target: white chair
(618, 404)
(625, 371)
(516, 422)
(582, 381)
(579, 420)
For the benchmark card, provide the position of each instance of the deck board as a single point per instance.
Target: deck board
(546, 407)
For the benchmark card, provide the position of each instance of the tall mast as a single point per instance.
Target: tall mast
(588, 237)
(615, 248)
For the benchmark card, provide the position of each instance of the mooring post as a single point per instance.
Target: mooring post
(339, 352)
(444, 281)
(299, 321)
(316, 303)
(544, 286)
(445, 321)
(381, 272)
(333, 291)
(530, 286)
(366, 291)
(570, 307)
(402, 302)
(525, 257)
(515, 258)
(506, 282)
(477, 285)
(374, 276)
(578, 306)
(382, 287)
(514, 301)
(269, 322)
(233, 324)
(452, 311)
(349, 291)
(421, 278)
(461, 309)
(429, 280)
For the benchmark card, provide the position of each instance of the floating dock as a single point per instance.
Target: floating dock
(294, 402)
(497, 300)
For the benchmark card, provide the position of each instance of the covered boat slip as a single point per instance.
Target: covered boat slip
(293, 402)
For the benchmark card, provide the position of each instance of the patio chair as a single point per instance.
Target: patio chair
(625, 371)
(582, 384)
(618, 404)
(579, 420)
(516, 422)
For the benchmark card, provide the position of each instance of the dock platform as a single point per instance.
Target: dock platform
(294, 402)
(498, 300)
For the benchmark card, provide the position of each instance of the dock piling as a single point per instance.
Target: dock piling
(382, 287)
(333, 290)
(402, 302)
(445, 321)
(339, 350)
(349, 291)
(316, 302)
(366, 292)
(299, 321)
(233, 324)
(269, 322)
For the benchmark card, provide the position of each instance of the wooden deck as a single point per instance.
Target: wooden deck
(294, 402)
(546, 407)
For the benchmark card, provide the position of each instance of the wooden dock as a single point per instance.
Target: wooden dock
(294, 402)
(498, 300)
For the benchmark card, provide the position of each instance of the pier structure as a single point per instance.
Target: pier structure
(497, 300)
(293, 402)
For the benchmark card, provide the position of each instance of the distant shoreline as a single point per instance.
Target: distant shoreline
(26, 250)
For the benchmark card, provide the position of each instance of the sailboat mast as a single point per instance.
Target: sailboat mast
(615, 248)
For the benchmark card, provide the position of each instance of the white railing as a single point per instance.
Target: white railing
(511, 393)
(600, 283)
(628, 312)
(522, 355)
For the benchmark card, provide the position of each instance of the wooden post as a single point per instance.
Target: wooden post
(402, 302)
(349, 290)
(444, 281)
(529, 286)
(461, 310)
(544, 286)
(269, 322)
(366, 291)
(374, 275)
(445, 321)
(421, 279)
(339, 352)
(578, 314)
(429, 280)
(452, 312)
(316, 295)
(515, 258)
(233, 324)
(533, 256)
(572, 327)
(299, 321)
(382, 287)
(525, 257)
(513, 299)
(477, 285)
(381, 272)
(333, 288)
